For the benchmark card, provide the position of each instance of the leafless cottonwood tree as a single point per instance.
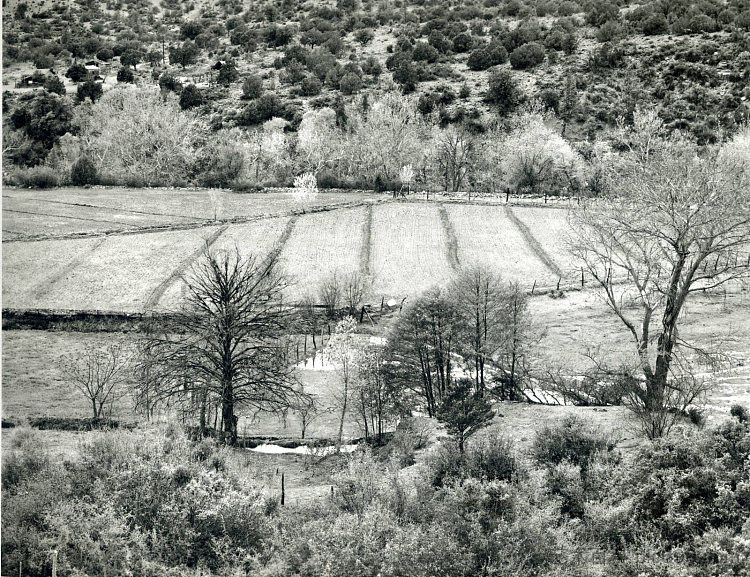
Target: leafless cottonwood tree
(671, 224)
(227, 340)
(98, 373)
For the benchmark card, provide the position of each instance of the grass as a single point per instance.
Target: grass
(320, 245)
(256, 238)
(29, 268)
(409, 250)
(123, 272)
(486, 236)
(66, 211)
(551, 229)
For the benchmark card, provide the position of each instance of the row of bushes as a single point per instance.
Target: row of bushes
(153, 503)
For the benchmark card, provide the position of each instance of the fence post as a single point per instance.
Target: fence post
(533, 287)
(582, 279)
(283, 493)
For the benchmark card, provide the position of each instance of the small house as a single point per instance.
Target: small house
(219, 65)
(92, 66)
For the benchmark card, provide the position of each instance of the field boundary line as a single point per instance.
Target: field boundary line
(111, 208)
(64, 216)
(162, 287)
(43, 288)
(364, 251)
(533, 243)
(451, 241)
(192, 225)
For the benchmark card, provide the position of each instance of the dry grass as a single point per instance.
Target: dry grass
(486, 236)
(30, 267)
(409, 250)
(254, 238)
(322, 244)
(123, 271)
(32, 375)
(68, 211)
(551, 229)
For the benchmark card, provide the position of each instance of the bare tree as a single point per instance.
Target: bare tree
(354, 288)
(421, 349)
(374, 394)
(674, 223)
(342, 350)
(309, 411)
(228, 340)
(98, 373)
(479, 295)
(455, 155)
(330, 294)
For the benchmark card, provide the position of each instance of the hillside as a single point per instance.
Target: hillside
(465, 64)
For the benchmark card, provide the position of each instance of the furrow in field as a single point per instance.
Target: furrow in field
(320, 245)
(255, 238)
(409, 250)
(178, 272)
(487, 237)
(551, 230)
(30, 267)
(534, 244)
(124, 271)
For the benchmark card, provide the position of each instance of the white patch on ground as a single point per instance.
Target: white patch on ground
(270, 449)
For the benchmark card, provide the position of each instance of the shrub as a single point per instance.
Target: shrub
(83, 172)
(105, 54)
(190, 97)
(252, 87)
(491, 457)
(35, 177)
(311, 85)
(487, 56)
(425, 52)
(54, 84)
(740, 413)
(462, 42)
(350, 83)
(89, 89)
(655, 24)
(125, 75)
(77, 72)
(170, 83)
(610, 30)
(227, 73)
(25, 456)
(527, 56)
(503, 91)
(573, 440)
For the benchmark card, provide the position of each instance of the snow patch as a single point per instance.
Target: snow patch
(271, 449)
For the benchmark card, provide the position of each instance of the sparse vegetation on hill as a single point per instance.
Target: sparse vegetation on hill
(590, 64)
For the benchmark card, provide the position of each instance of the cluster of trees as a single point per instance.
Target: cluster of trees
(153, 503)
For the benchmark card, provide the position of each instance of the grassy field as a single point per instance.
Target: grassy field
(67, 211)
(551, 230)
(403, 247)
(408, 252)
(320, 245)
(486, 236)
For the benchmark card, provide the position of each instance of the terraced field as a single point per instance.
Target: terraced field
(321, 245)
(404, 247)
(551, 229)
(487, 236)
(71, 211)
(408, 252)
